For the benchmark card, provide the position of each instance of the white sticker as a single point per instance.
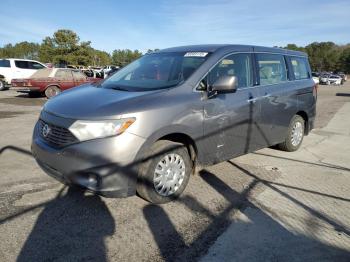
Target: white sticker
(196, 54)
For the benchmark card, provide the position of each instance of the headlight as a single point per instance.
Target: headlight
(86, 130)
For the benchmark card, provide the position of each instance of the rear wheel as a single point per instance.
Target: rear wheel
(165, 173)
(295, 135)
(52, 91)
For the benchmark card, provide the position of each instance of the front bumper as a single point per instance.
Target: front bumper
(106, 166)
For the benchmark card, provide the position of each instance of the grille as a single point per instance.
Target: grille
(58, 136)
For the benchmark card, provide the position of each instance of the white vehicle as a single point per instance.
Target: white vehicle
(12, 68)
(334, 80)
(316, 77)
(107, 69)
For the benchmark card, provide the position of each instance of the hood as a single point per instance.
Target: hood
(91, 102)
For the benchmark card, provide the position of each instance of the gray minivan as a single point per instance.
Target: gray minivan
(146, 127)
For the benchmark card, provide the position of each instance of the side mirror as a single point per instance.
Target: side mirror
(225, 84)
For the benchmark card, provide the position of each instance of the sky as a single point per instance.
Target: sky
(153, 24)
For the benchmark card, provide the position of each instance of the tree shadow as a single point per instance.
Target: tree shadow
(262, 237)
(71, 227)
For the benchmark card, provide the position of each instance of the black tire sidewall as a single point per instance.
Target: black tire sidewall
(145, 186)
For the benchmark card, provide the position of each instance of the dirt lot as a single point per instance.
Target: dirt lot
(41, 219)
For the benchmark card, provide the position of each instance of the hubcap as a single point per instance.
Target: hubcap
(297, 133)
(169, 174)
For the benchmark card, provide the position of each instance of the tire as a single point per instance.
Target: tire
(291, 143)
(149, 184)
(2, 85)
(52, 91)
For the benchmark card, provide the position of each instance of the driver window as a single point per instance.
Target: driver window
(239, 65)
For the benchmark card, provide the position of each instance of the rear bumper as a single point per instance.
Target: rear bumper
(26, 89)
(104, 166)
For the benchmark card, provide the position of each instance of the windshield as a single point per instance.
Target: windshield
(156, 71)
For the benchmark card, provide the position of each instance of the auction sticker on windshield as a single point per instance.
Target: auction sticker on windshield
(196, 54)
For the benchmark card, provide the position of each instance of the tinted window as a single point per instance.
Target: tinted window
(238, 65)
(22, 64)
(156, 70)
(272, 69)
(64, 74)
(5, 63)
(300, 68)
(35, 65)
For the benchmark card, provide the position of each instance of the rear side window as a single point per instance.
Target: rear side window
(22, 64)
(272, 69)
(300, 68)
(64, 74)
(35, 65)
(239, 65)
(5, 63)
(78, 75)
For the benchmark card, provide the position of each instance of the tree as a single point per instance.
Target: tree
(100, 58)
(26, 50)
(65, 48)
(294, 47)
(345, 60)
(125, 56)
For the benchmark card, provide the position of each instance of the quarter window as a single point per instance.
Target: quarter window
(238, 65)
(4, 63)
(272, 69)
(35, 65)
(300, 68)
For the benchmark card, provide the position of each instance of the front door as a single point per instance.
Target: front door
(230, 118)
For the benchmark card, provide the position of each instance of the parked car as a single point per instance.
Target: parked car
(335, 80)
(51, 82)
(343, 76)
(324, 79)
(109, 68)
(112, 71)
(316, 77)
(145, 128)
(17, 68)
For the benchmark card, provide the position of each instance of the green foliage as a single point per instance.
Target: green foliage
(124, 57)
(326, 56)
(295, 47)
(24, 50)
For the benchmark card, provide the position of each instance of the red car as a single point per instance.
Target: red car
(51, 81)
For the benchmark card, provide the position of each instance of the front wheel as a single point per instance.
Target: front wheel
(165, 173)
(295, 135)
(52, 91)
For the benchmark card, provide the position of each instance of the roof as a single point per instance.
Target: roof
(211, 48)
(22, 59)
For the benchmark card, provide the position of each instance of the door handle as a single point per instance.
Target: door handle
(252, 100)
